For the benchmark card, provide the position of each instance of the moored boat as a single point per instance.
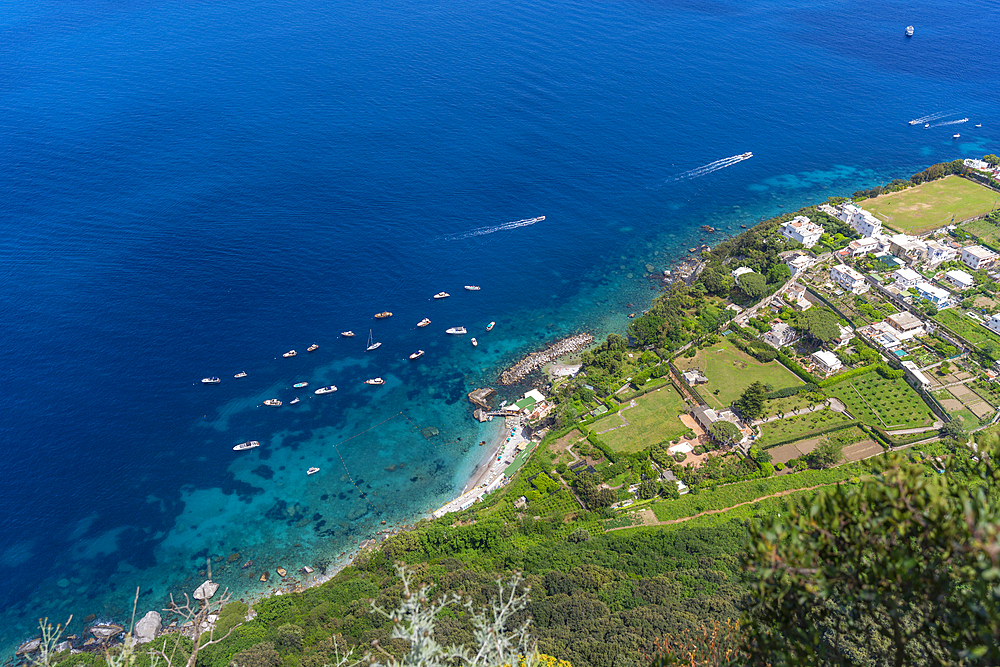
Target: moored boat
(290, 353)
(475, 343)
(299, 385)
(489, 327)
(424, 322)
(372, 345)
(241, 374)
(312, 348)
(374, 381)
(329, 389)
(281, 571)
(417, 354)
(347, 334)
(441, 295)
(956, 136)
(909, 31)
(211, 380)
(294, 401)
(472, 288)
(384, 314)
(311, 471)
(249, 444)
(456, 331)
(273, 402)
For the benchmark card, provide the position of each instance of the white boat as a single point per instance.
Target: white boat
(746, 155)
(347, 334)
(273, 402)
(294, 401)
(424, 322)
(329, 389)
(371, 344)
(472, 288)
(441, 295)
(489, 327)
(417, 354)
(212, 380)
(312, 348)
(503, 404)
(299, 385)
(926, 125)
(914, 122)
(374, 381)
(249, 444)
(384, 314)
(241, 374)
(909, 31)
(312, 471)
(475, 343)
(456, 331)
(979, 124)
(956, 136)
(290, 353)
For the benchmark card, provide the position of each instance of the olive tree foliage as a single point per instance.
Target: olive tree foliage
(902, 568)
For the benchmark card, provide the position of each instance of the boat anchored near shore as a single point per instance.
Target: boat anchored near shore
(417, 354)
(475, 343)
(424, 322)
(290, 353)
(299, 385)
(441, 295)
(241, 374)
(273, 402)
(456, 331)
(347, 334)
(374, 381)
(211, 380)
(249, 444)
(384, 314)
(372, 345)
(312, 348)
(472, 288)
(329, 389)
(311, 471)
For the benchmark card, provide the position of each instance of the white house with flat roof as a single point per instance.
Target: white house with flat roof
(849, 279)
(993, 324)
(977, 257)
(827, 361)
(803, 230)
(859, 219)
(938, 252)
(939, 297)
(907, 277)
(859, 247)
(905, 325)
(960, 279)
(914, 374)
(799, 263)
(780, 335)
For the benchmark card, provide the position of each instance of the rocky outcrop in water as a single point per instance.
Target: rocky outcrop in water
(148, 627)
(536, 360)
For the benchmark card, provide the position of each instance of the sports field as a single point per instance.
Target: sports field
(730, 371)
(654, 419)
(931, 205)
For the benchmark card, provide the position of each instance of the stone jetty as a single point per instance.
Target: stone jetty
(536, 360)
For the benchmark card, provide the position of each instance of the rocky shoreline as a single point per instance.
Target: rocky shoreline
(536, 360)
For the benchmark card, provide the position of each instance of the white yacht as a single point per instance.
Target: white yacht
(294, 401)
(441, 295)
(347, 334)
(375, 381)
(211, 380)
(312, 348)
(312, 471)
(299, 385)
(909, 31)
(475, 343)
(956, 136)
(273, 402)
(456, 331)
(241, 374)
(290, 353)
(424, 322)
(249, 444)
(329, 389)
(472, 288)
(417, 354)
(372, 345)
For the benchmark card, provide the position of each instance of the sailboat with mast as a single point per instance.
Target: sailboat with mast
(371, 344)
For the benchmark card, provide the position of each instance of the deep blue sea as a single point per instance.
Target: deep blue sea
(191, 188)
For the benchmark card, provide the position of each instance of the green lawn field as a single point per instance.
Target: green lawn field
(730, 371)
(654, 419)
(932, 205)
(966, 327)
(889, 404)
(802, 426)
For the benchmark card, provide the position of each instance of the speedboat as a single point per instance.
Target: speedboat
(241, 374)
(371, 344)
(299, 385)
(424, 322)
(311, 471)
(249, 444)
(956, 136)
(384, 314)
(456, 331)
(294, 401)
(374, 381)
(347, 334)
(273, 402)
(914, 122)
(926, 125)
(489, 327)
(441, 295)
(472, 288)
(909, 31)
(475, 343)
(212, 380)
(979, 124)
(290, 353)
(312, 348)
(748, 154)
(417, 354)
(329, 389)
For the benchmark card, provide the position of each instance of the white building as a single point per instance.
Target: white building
(803, 230)
(799, 264)
(977, 164)
(849, 279)
(860, 220)
(938, 252)
(827, 361)
(993, 324)
(912, 372)
(780, 335)
(939, 297)
(742, 271)
(907, 277)
(905, 325)
(860, 247)
(960, 279)
(977, 257)
(844, 337)
(908, 248)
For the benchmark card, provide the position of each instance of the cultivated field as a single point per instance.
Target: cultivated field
(966, 327)
(889, 404)
(654, 419)
(932, 205)
(730, 371)
(793, 428)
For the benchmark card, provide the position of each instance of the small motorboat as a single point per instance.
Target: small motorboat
(472, 288)
(956, 136)
(281, 571)
(311, 471)
(372, 345)
(249, 444)
(241, 374)
(926, 125)
(290, 353)
(909, 31)
(294, 401)
(273, 402)
(384, 314)
(441, 295)
(475, 343)
(424, 322)
(212, 380)
(979, 124)
(299, 385)
(347, 334)
(489, 327)
(264, 577)
(329, 389)
(456, 331)
(374, 381)
(417, 354)
(312, 348)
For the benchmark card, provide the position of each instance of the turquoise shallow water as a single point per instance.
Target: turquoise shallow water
(193, 188)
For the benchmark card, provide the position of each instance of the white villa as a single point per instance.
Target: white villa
(849, 279)
(801, 229)
(938, 252)
(860, 220)
(780, 335)
(827, 361)
(993, 324)
(960, 279)
(907, 277)
(977, 257)
(939, 297)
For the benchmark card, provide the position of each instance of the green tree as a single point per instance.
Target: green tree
(779, 273)
(826, 455)
(818, 323)
(750, 404)
(954, 429)
(724, 432)
(717, 281)
(901, 568)
(753, 285)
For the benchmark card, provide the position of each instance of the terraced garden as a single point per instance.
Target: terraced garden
(889, 404)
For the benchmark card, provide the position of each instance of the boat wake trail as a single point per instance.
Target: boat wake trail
(482, 231)
(930, 117)
(712, 166)
(951, 122)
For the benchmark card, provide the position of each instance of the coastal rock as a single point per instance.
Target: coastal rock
(29, 646)
(62, 646)
(650, 268)
(206, 590)
(148, 627)
(482, 397)
(480, 415)
(536, 360)
(106, 631)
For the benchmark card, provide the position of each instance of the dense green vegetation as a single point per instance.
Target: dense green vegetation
(885, 403)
